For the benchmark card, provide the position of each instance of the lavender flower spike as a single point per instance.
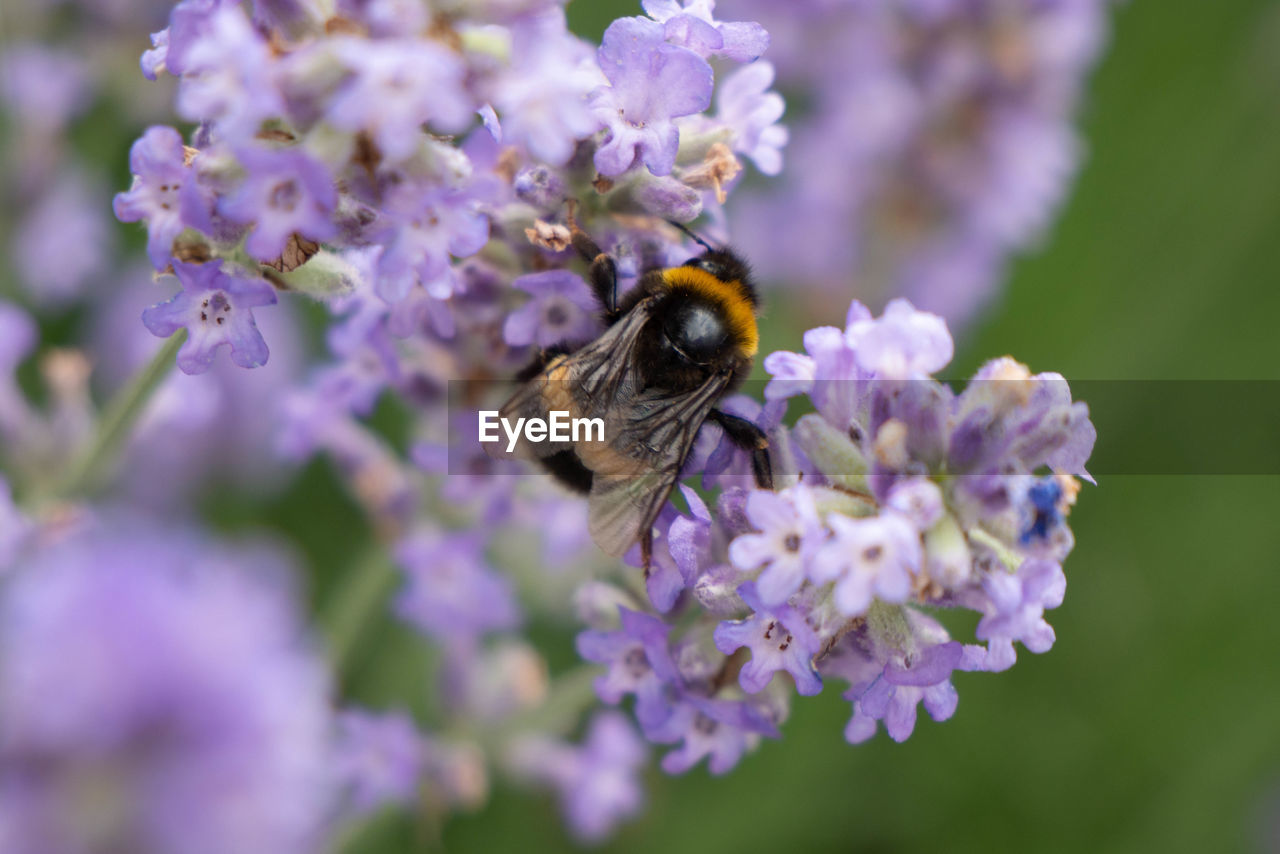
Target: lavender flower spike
(158, 694)
(216, 309)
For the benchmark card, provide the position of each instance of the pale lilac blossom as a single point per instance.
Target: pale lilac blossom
(651, 83)
(284, 192)
(778, 637)
(790, 533)
(216, 309)
(159, 171)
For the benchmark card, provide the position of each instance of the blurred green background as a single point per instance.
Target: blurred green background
(1154, 723)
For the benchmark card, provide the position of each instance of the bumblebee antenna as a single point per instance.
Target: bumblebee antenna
(696, 239)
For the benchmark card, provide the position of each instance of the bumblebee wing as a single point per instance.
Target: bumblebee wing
(648, 452)
(584, 383)
(529, 401)
(622, 507)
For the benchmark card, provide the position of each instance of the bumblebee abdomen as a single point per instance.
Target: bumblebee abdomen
(567, 467)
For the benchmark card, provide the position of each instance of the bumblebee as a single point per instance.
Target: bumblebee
(675, 345)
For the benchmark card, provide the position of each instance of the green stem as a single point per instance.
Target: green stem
(568, 697)
(118, 419)
(357, 598)
(1007, 556)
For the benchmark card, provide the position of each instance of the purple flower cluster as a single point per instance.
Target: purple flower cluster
(416, 169)
(597, 781)
(322, 163)
(419, 176)
(939, 141)
(158, 693)
(898, 494)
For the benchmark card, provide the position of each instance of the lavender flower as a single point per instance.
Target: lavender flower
(216, 310)
(947, 128)
(157, 162)
(63, 241)
(902, 344)
(779, 639)
(791, 533)
(1015, 610)
(152, 61)
(381, 758)
(597, 781)
(131, 718)
(639, 663)
(873, 558)
(562, 309)
(902, 659)
(228, 76)
(692, 26)
(286, 192)
(541, 97)
(452, 594)
(215, 425)
(650, 83)
(425, 227)
(396, 89)
(746, 105)
(43, 88)
(678, 544)
(720, 731)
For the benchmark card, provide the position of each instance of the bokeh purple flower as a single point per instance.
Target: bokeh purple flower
(453, 594)
(597, 780)
(938, 142)
(133, 717)
(380, 758)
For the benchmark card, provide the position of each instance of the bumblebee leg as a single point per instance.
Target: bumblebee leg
(646, 552)
(602, 272)
(751, 439)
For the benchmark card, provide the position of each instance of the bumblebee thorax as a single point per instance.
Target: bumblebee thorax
(709, 312)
